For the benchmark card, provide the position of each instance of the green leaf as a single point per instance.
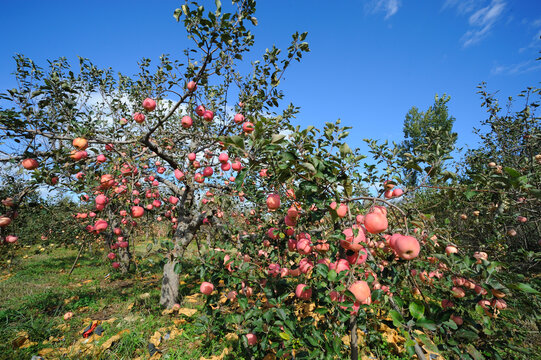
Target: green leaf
(332, 275)
(277, 138)
(474, 352)
(417, 309)
(525, 288)
(177, 14)
(511, 172)
(466, 334)
(397, 318)
(285, 336)
(345, 149)
(470, 194)
(428, 343)
(427, 324)
(309, 167)
(238, 141)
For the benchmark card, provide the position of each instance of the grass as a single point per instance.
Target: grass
(39, 292)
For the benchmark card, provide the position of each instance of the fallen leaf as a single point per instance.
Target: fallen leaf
(225, 351)
(156, 339)
(45, 352)
(178, 322)
(109, 342)
(187, 312)
(231, 337)
(144, 296)
(167, 312)
(194, 299)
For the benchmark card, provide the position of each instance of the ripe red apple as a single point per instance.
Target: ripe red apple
(398, 192)
(137, 211)
(80, 143)
(303, 292)
(179, 175)
(149, 104)
(342, 210)
(457, 319)
(200, 110)
(115, 265)
(206, 288)
(273, 202)
(208, 115)
(458, 292)
(11, 239)
(237, 166)
(407, 247)
(186, 122)
(4, 221)
(100, 225)
(252, 339)
(30, 164)
(361, 291)
(191, 156)
(208, 171)
(451, 250)
(191, 86)
(225, 166)
(353, 243)
(375, 223)
(223, 158)
(107, 181)
(304, 246)
(111, 256)
(512, 232)
(248, 127)
(239, 118)
(139, 117)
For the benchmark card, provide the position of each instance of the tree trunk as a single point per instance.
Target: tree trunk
(170, 283)
(354, 354)
(184, 234)
(124, 259)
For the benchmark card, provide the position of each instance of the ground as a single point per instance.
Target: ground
(36, 291)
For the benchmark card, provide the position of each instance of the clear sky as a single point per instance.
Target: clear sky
(371, 60)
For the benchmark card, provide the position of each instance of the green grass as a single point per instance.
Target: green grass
(38, 294)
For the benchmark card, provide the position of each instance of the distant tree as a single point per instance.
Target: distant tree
(428, 142)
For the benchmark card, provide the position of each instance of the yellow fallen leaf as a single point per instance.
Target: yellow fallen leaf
(231, 337)
(130, 306)
(45, 352)
(20, 338)
(179, 321)
(167, 312)
(269, 356)
(225, 351)
(174, 333)
(156, 339)
(194, 299)
(156, 356)
(187, 312)
(109, 342)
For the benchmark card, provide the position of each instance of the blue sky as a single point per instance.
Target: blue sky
(371, 61)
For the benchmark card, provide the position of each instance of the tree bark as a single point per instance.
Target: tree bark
(170, 283)
(124, 259)
(353, 344)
